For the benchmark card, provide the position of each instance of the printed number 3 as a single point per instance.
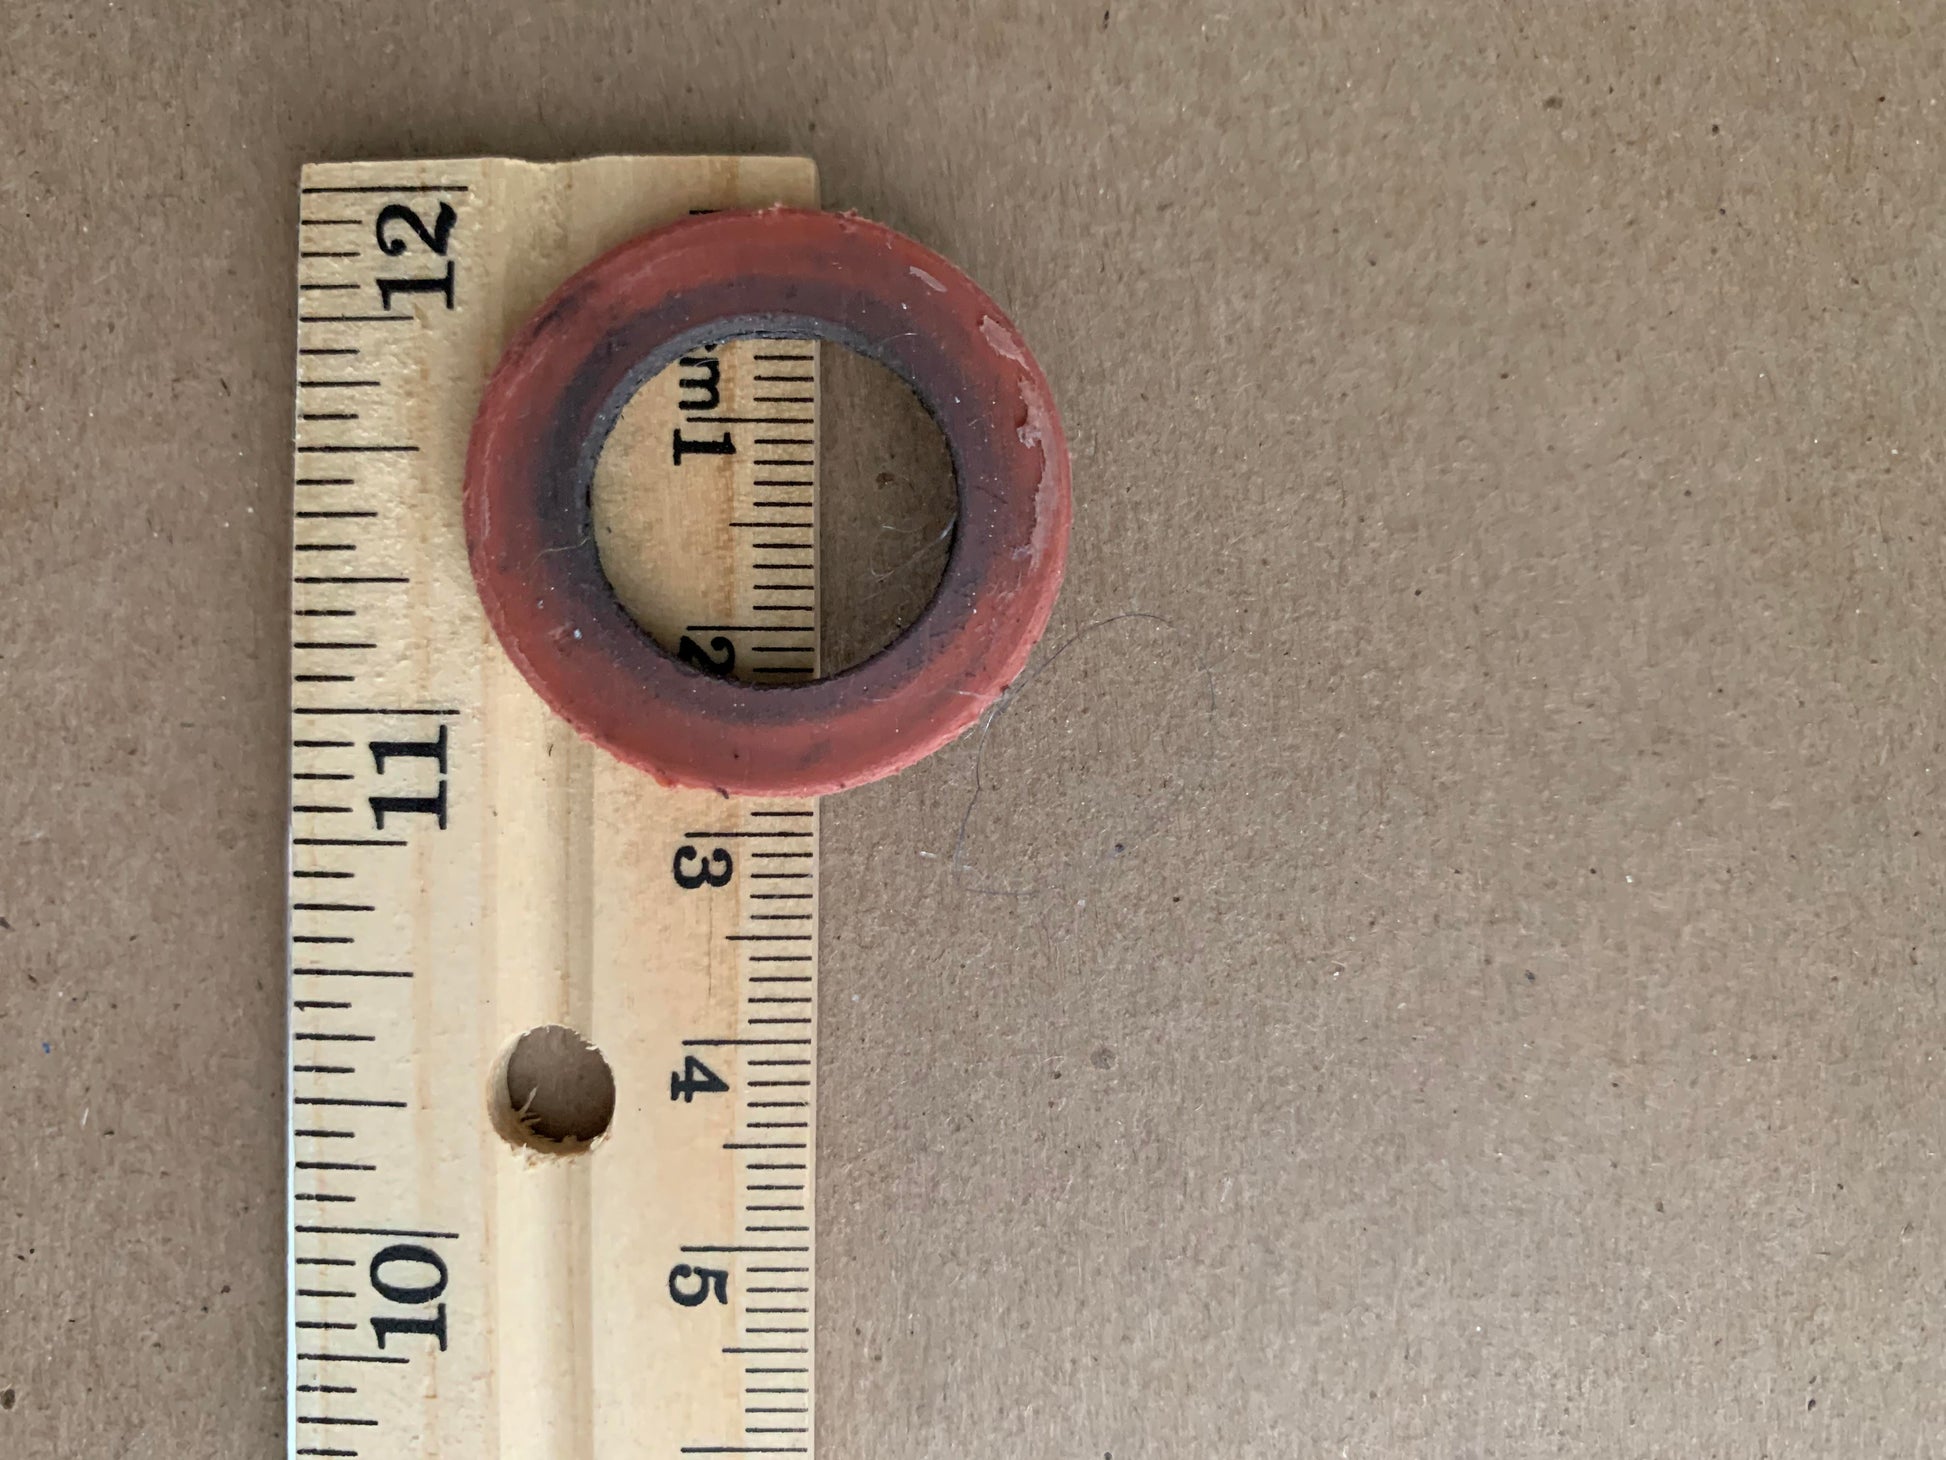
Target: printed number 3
(692, 871)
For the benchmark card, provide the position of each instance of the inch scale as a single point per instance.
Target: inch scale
(464, 869)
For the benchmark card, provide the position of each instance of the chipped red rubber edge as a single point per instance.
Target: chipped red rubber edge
(777, 273)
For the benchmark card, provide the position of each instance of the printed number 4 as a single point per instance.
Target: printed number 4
(696, 1079)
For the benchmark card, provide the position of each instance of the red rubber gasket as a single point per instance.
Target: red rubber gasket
(778, 273)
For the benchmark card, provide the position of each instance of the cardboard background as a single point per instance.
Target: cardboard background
(1446, 960)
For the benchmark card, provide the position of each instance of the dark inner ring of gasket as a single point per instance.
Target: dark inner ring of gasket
(548, 413)
(729, 328)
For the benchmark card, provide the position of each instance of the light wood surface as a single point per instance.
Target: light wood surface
(550, 895)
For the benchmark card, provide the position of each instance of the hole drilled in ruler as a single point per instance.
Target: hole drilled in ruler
(553, 1091)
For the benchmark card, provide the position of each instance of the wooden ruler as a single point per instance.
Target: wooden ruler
(465, 870)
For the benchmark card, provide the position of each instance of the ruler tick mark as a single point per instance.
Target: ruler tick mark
(361, 710)
(342, 448)
(743, 1248)
(387, 188)
(328, 1358)
(696, 420)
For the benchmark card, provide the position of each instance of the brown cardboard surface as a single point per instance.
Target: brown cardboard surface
(1441, 957)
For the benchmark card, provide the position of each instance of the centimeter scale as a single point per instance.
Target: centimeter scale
(464, 869)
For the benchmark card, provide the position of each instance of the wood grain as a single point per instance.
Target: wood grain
(489, 873)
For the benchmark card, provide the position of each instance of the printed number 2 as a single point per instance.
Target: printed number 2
(434, 239)
(693, 653)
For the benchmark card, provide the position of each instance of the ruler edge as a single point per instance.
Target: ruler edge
(312, 180)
